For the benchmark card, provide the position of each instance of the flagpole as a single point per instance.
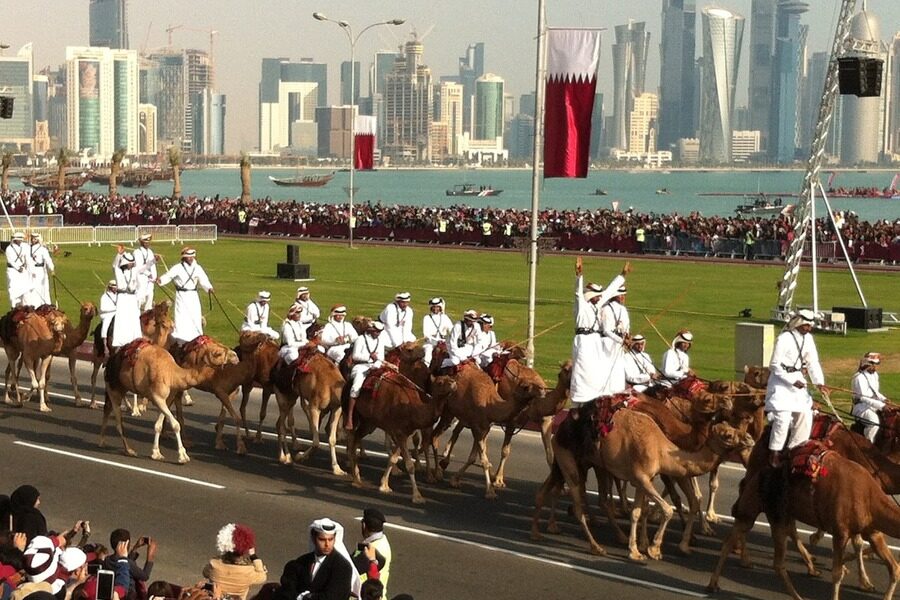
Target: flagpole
(536, 177)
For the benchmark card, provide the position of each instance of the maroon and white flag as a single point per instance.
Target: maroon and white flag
(572, 58)
(364, 142)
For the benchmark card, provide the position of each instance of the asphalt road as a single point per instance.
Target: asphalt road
(458, 545)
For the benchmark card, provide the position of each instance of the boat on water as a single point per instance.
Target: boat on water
(600, 192)
(469, 189)
(663, 192)
(50, 181)
(304, 180)
(129, 178)
(762, 206)
(889, 193)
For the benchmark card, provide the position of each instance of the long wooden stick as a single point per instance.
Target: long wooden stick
(664, 340)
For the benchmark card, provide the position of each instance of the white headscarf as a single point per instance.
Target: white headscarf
(326, 525)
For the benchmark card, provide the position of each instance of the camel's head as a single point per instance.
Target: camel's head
(757, 377)
(251, 340)
(360, 324)
(443, 386)
(527, 391)
(564, 378)
(57, 322)
(514, 350)
(730, 437)
(206, 351)
(88, 310)
(410, 352)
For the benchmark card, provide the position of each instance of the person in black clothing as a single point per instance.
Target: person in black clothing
(26, 517)
(139, 577)
(326, 573)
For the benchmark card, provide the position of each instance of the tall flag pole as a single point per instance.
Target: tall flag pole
(536, 177)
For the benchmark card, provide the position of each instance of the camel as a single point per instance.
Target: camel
(266, 357)
(75, 336)
(155, 326)
(33, 340)
(477, 404)
(399, 408)
(636, 450)
(318, 384)
(150, 371)
(844, 500)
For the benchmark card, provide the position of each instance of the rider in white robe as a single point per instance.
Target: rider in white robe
(18, 278)
(337, 335)
(436, 325)
(867, 396)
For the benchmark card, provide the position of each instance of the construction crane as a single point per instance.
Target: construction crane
(212, 41)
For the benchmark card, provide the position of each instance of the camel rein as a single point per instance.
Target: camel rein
(56, 280)
(224, 312)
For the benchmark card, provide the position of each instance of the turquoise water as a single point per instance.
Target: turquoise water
(631, 189)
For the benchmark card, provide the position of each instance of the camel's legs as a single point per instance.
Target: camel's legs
(352, 459)
(780, 532)
(228, 405)
(738, 532)
(481, 445)
(417, 497)
(546, 434)
(262, 412)
(838, 543)
(605, 487)
(113, 399)
(94, 371)
(879, 545)
(508, 432)
(550, 489)
(633, 552)
(448, 449)
(393, 457)
(655, 550)
(166, 414)
(455, 480)
(245, 398)
(43, 367)
(284, 455)
(575, 479)
(12, 378)
(74, 380)
(711, 515)
(692, 491)
(332, 441)
(314, 416)
(859, 547)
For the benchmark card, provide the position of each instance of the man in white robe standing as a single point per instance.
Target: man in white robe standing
(40, 269)
(788, 403)
(18, 279)
(615, 325)
(144, 255)
(189, 277)
(128, 315)
(397, 318)
(590, 370)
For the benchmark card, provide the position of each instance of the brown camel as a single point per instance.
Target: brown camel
(266, 355)
(844, 500)
(155, 326)
(544, 409)
(398, 407)
(318, 384)
(636, 450)
(75, 336)
(478, 405)
(150, 371)
(33, 339)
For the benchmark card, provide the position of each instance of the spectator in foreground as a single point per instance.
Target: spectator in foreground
(372, 527)
(26, 516)
(372, 589)
(237, 567)
(137, 576)
(324, 573)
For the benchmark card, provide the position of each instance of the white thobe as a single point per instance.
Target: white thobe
(639, 370)
(257, 319)
(867, 401)
(435, 328)
(615, 324)
(188, 313)
(128, 315)
(18, 279)
(789, 407)
(336, 337)
(590, 369)
(363, 349)
(309, 311)
(462, 343)
(40, 266)
(675, 366)
(487, 347)
(108, 303)
(398, 324)
(293, 337)
(145, 256)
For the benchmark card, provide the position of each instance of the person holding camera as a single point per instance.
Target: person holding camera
(237, 567)
(372, 528)
(138, 576)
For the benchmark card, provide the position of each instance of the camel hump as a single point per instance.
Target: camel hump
(809, 459)
(124, 356)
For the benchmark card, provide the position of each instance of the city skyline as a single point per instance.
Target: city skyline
(277, 29)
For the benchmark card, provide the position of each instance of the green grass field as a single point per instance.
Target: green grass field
(704, 297)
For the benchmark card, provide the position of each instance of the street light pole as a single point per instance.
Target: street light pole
(352, 40)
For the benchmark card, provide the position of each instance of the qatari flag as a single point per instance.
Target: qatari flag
(364, 143)
(572, 58)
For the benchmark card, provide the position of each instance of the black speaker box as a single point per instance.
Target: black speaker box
(858, 317)
(293, 254)
(292, 271)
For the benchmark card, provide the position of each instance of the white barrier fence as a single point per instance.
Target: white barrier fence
(22, 222)
(116, 234)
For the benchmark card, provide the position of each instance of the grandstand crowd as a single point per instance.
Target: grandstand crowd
(576, 229)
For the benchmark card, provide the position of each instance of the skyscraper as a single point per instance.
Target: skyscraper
(41, 114)
(894, 91)
(629, 71)
(596, 127)
(109, 24)
(408, 107)
(862, 120)
(723, 32)
(146, 129)
(208, 114)
(166, 91)
(16, 80)
(471, 67)
(642, 132)
(381, 66)
(789, 52)
(488, 115)
(198, 77)
(102, 100)
(450, 101)
(677, 75)
(346, 98)
(288, 93)
(762, 42)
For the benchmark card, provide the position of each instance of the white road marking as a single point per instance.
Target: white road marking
(322, 442)
(110, 463)
(547, 561)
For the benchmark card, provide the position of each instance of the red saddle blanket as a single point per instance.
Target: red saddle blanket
(454, 370)
(689, 387)
(376, 377)
(605, 408)
(497, 367)
(130, 350)
(305, 356)
(823, 426)
(809, 459)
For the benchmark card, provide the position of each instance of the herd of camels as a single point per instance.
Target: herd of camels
(839, 484)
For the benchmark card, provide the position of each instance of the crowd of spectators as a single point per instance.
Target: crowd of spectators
(39, 563)
(575, 229)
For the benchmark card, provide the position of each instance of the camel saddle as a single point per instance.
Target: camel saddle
(301, 365)
(823, 426)
(375, 377)
(454, 370)
(497, 367)
(126, 355)
(393, 356)
(179, 353)
(605, 408)
(808, 459)
(689, 387)
(9, 323)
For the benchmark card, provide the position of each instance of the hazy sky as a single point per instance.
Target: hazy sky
(250, 30)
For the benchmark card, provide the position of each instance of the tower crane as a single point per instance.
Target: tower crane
(212, 41)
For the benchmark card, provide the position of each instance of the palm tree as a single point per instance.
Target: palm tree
(115, 165)
(175, 163)
(246, 196)
(62, 162)
(5, 163)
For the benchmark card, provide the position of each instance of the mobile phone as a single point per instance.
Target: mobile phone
(106, 581)
(93, 568)
(208, 586)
